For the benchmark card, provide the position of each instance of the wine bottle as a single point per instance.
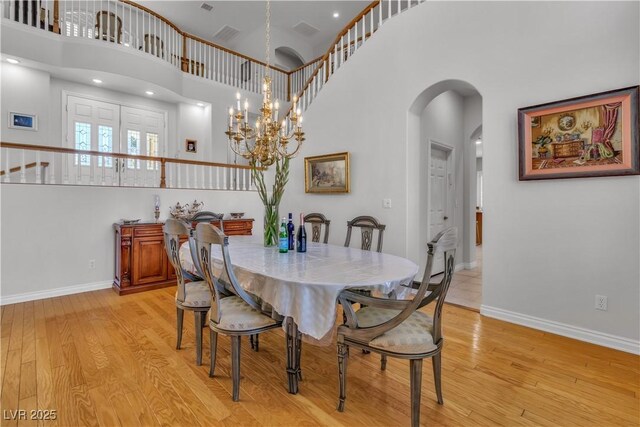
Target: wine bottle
(291, 230)
(283, 239)
(301, 238)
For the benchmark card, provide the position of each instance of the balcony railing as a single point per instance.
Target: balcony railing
(39, 164)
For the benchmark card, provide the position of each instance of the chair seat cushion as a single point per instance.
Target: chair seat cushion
(413, 336)
(196, 294)
(237, 315)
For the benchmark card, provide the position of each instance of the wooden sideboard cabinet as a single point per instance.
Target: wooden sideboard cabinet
(141, 260)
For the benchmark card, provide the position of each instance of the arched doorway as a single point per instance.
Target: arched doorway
(288, 58)
(442, 173)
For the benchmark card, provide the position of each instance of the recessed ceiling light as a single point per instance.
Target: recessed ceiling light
(478, 141)
(200, 104)
(336, 14)
(149, 93)
(12, 61)
(98, 81)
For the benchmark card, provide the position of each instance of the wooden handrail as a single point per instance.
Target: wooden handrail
(151, 12)
(27, 166)
(313, 61)
(325, 57)
(162, 160)
(207, 42)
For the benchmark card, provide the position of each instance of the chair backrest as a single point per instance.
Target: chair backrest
(107, 26)
(207, 216)
(207, 235)
(154, 45)
(173, 229)
(367, 225)
(446, 241)
(317, 220)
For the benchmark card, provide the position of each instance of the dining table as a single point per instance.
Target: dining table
(303, 287)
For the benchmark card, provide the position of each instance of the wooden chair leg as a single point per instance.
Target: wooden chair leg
(343, 356)
(198, 321)
(235, 365)
(213, 344)
(179, 320)
(299, 351)
(437, 376)
(416, 387)
(383, 362)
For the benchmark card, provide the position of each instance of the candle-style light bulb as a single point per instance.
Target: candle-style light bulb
(277, 104)
(238, 99)
(246, 111)
(230, 116)
(284, 127)
(298, 112)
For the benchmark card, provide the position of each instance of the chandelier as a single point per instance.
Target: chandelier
(271, 139)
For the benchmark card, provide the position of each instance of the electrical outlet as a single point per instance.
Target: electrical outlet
(92, 264)
(601, 302)
(386, 203)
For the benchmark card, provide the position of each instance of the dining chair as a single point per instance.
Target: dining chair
(396, 328)
(367, 225)
(153, 45)
(236, 315)
(193, 295)
(108, 26)
(317, 220)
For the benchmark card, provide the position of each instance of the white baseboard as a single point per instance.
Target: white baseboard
(470, 265)
(49, 293)
(582, 334)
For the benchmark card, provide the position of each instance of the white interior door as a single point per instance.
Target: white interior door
(92, 125)
(142, 134)
(439, 196)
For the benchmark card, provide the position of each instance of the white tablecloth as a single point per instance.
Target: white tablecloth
(305, 286)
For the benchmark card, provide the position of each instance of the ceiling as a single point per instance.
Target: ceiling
(249, 17)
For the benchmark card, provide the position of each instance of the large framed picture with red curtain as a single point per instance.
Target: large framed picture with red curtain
(588, 136)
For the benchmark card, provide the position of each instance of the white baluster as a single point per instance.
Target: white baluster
(103, 170)
(245, 179)
(7, 169)
(52, 166)
(224, 179)
(79, 170)
(39, 179)
(364, 28)
(399, 6)
(203, 186)
(389, 9)
(217, 177)
(91, 170)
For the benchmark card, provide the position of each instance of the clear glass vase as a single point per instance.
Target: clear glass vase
(271, 225)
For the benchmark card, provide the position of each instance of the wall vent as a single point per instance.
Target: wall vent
(305, 29)
(206, 6)
(226, 33)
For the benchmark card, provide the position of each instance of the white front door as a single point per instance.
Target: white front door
(439, 191)
(92, 126)
(142, 134)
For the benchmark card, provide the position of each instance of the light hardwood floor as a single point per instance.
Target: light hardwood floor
(466, 285)
(100, 359)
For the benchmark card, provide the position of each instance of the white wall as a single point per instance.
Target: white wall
(49, 233)
(550, 246)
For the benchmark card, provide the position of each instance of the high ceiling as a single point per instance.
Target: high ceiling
(248, 17)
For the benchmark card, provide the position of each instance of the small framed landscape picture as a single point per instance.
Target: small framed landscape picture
(327, 173)
(191, 146)
(593, 135)
(23, 121)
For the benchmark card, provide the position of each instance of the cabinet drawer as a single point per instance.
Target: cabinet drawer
(155, 230)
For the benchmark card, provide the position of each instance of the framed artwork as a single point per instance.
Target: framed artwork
(327, 174)
(23, 121)
(593, 135)
(191, 145)
(245, 71)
